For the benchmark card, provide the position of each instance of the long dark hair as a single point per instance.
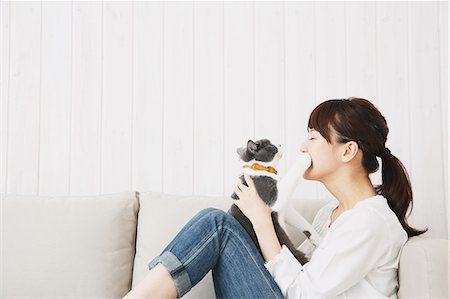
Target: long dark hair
(356, 119)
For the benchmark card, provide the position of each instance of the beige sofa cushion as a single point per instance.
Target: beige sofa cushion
(63, 247)
(161, 217)
(423, 269)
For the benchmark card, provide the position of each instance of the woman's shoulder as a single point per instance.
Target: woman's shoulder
(374, 214)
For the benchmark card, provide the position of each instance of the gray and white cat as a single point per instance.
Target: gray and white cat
(259, 161)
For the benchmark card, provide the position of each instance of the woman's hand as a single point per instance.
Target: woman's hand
(251, 204)
(260, 216)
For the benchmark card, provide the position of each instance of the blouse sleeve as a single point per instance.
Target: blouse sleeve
(351, 249)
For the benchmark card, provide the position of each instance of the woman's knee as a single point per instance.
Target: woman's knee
(218, 216)
(212, 212)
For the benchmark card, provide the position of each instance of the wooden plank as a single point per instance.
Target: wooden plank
(238, 87)
(4, 108)
(178, 98)
(331, 66)
(427, 156)
(4, 91)
(117, 94)
(148, 96)
(443, 51)
(269, 54)
(55, 98)
(208, 98)
(24, 98)
(361, 50)
(85, 159)
(392, 78)
(331, 57)
(300, 84)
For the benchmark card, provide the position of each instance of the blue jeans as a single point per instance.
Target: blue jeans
(214, 240)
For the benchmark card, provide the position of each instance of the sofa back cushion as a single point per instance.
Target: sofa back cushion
(68, 246)
(423, 268)
(161, 217)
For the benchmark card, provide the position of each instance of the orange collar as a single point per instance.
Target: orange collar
(256, 166)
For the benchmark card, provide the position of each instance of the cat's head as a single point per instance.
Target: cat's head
(260, 151)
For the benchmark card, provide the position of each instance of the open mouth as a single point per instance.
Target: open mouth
(310, 162)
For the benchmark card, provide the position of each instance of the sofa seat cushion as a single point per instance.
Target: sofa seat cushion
(62, 247)
(161, 217)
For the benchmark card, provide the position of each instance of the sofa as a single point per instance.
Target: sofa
(99, 246)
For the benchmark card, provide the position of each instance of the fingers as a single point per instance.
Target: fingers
(241, 185)
(241, 188)
(249, 180)
(238, 189)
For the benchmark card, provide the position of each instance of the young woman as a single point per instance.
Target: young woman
(362, 232)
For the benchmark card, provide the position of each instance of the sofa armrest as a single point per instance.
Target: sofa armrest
(423, 268)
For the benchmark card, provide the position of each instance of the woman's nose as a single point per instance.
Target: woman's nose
(303, 148)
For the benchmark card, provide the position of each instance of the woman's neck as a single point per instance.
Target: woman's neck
(349, 190)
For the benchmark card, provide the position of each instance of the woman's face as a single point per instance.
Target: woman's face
(324, 156)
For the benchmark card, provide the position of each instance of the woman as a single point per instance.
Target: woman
(362, 232)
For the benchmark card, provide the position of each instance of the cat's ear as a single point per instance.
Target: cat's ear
(252, 146)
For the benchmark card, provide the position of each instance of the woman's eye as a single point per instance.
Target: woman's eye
(312, 138)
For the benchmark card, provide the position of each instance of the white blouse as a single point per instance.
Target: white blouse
(358, 256)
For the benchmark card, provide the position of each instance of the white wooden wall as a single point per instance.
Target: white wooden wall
(113, 96)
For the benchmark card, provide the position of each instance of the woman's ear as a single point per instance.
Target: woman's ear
(350, 150)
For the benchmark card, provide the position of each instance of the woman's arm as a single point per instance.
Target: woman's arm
(354, 247)
(267, 239)
(260, 216)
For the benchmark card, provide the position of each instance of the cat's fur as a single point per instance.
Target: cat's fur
(264, 153)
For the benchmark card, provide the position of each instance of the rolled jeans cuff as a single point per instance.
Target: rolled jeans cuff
(176, 270)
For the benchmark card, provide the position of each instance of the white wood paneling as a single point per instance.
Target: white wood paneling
(427, 175)
(392, 77)
(56, 69)
(331, 57)
(361, 55)
(117, 104)
(300, 72)
(239, 95)
(444, 96)
(178, 98)
(208, 98)
(269, 72)
(148, 74)
(361, 50)
(24, 98)
(4, 90)
(85, 158)
(331, 61)
(157, 96)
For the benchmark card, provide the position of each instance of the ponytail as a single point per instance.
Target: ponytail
(396, 188)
